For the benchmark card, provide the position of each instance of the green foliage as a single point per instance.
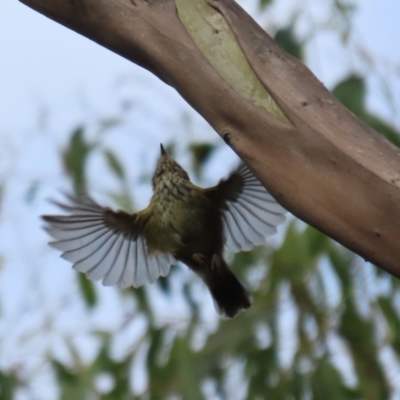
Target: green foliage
(201, 152)
(296, 265)
(302, 274)
(288, 41)
(351, 91)
(75, 157)
(87, 289)
(8, 383)
(72, 386)
(365, 355)
(114, 164)
(391, 315)
(326, 383)
(265, 3)
(123, 197)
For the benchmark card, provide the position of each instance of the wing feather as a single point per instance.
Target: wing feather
(242, 239)
(113, 275)
(62, 235)
(142, 274)
(87, 257)
(229, 233)
(105, 245)
(100, 270)
(250, 213)
(129, 272)
(250, 224)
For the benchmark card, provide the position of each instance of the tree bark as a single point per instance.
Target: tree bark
(319, 161)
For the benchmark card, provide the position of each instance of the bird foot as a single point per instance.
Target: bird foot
(216, 262)
(202, 259)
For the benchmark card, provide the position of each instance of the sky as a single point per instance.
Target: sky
(45, 66)
(53, 79)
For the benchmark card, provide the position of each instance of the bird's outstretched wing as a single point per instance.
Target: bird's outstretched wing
(105, 244)
(250, 213)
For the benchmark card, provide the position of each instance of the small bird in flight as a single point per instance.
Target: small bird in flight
(183, 222)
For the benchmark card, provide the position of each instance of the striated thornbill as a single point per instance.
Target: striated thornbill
(182, 222)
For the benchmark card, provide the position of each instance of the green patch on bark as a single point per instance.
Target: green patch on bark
(216, 41)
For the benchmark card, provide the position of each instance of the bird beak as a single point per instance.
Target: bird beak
(163, 152)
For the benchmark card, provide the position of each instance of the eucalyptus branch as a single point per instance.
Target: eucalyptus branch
(319, 161)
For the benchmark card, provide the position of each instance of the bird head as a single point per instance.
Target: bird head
(168, 169)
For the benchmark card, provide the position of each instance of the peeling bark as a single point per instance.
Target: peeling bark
(320, 162)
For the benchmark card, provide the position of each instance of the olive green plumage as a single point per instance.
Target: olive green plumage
(182, 222)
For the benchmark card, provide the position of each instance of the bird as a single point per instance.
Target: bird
(183, 222)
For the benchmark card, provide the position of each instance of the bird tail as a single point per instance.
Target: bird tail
(229, 295)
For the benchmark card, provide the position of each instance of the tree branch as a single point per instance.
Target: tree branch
(321, 162)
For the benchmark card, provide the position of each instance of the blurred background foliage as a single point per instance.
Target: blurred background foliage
(324, 324)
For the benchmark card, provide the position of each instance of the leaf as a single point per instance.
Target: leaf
(288, 41)
(318, 243)
(265, 3)
(75, 157)
(382, 127)
(393, 321)
(360, 336)
(162, 379)
(63, 373)
(295, 255)
(8, 384)
(187, 370)
(87, 289)
(351, 93)
(140, 296)
(71, 386)
(164, 284)
(114, 164)
(327, 383)
(261, 366)
(201, 152)
(341, 260)
(245, 259)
